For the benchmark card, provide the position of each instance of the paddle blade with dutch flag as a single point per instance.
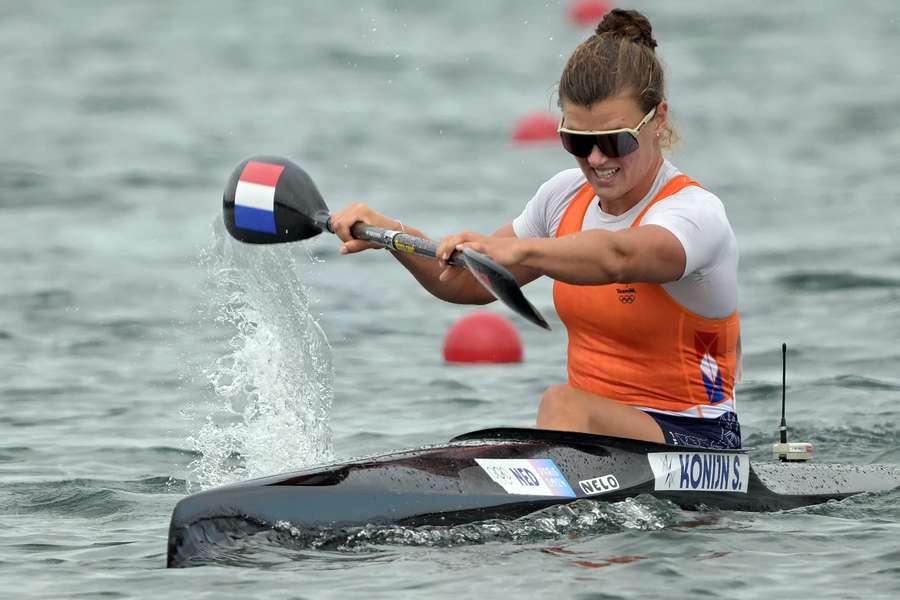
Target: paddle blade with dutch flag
(270, 200)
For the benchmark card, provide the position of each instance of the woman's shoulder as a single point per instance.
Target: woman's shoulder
(544, 211)
(702, 198)
(693, 214)
(693, 197)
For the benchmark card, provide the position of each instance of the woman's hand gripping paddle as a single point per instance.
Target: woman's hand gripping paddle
(271, 200)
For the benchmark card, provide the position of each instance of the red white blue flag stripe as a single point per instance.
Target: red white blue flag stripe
(254, 196)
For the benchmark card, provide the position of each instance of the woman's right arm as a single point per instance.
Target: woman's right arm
(451, 284)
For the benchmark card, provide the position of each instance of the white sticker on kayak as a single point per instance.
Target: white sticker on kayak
(599, 485)
(700, 471)
(528, 477)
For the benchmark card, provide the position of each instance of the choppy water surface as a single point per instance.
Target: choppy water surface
(144, 354)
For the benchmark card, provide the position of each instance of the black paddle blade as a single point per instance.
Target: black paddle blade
(500, 282)
(271, 200)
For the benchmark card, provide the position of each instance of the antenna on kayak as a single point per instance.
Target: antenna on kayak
(783, 450)
(783, 427)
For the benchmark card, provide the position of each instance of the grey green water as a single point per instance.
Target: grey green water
(143, 354)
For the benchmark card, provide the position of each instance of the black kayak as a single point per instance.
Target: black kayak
(506, 473)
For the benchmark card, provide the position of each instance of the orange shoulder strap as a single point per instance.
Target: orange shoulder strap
(573, 218)
(574, 215)
(674, 185)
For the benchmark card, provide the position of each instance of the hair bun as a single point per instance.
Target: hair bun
(628, 24)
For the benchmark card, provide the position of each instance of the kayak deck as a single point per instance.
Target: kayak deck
(505, 474)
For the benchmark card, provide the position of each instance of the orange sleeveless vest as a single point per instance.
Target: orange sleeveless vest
(634, 343)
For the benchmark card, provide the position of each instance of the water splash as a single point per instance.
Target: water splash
(582, 517)
(272, 389)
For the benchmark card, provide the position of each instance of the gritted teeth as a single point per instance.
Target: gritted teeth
(606, 173)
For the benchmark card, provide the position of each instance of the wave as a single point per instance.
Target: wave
(824, 281)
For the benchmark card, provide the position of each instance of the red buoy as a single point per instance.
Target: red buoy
(585, 13)
(483, 337)
(536, 127)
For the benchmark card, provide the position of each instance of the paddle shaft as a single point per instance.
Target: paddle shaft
(394, 240)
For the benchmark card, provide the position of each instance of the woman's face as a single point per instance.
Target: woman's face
(629, 177)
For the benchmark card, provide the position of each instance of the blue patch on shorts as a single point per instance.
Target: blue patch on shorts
(722, 433)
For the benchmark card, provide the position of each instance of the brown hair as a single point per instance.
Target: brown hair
(619, 58)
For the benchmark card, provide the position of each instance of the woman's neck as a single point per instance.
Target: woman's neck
(628, 201)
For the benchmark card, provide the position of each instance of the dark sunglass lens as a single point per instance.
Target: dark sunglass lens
(625, 144)
(613, 145)
(578, 145)
(608, 145)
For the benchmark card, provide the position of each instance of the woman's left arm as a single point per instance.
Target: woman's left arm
(649, 253)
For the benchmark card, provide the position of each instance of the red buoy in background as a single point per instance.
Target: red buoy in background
(536, 127)
(483, 337)
(585, 13)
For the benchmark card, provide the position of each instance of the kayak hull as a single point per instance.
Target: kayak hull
(503, 474)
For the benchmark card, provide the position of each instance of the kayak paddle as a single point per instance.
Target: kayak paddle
(271, 200)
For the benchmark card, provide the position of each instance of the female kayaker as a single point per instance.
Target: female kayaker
(644, 258)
